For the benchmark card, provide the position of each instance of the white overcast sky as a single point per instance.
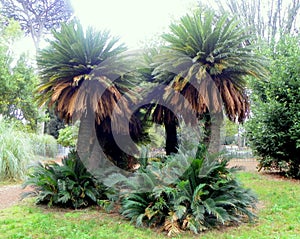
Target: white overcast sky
(132, 20)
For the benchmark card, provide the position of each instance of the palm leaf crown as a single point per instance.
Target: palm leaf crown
(83, 69)
(202, 46)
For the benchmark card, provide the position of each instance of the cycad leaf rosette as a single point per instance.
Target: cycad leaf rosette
(207, 58)
(83, 77)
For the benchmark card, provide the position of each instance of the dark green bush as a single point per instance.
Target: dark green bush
(205, 195)
(274, 129)
(65, 185)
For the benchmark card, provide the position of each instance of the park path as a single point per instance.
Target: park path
(10, 195)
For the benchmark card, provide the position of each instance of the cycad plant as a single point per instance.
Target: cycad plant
(84, 76)
(206, 60)
(205, 195)
(155, 109)
(68, 184)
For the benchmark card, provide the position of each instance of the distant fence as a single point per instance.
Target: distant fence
(236, 152)
(232, 151)
(62, 151)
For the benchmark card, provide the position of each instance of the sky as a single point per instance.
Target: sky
(132, 20)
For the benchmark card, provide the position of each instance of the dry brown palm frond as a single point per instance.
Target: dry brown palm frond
(235, 101)
(208, 89)
(104, 100)
(228, 100)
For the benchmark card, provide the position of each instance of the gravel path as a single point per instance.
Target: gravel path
(9, 195)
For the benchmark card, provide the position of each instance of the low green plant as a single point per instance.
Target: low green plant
(15, 151)
(65, 185)
(278, 213)
(206, 194)
(68, 136)
(44, 145)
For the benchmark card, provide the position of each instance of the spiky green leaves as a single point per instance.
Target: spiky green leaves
(206, 195)
(67, 185)
(203, 44)
(83, 70)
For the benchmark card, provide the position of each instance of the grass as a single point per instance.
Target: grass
(279, 217)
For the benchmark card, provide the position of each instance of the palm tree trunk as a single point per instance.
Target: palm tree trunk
(212, 128)
(111, 148)
(86, 139)
(171, 137)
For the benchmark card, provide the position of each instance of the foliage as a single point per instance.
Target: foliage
(44, 145)
(281, 17)
(274, 129)
(279, 218)
(231, 129)
(203, 196)
(15, 151)
(203, 47)
(53, 124)
(17, 78)
(37, 17)
(65, 185)
(68, 136)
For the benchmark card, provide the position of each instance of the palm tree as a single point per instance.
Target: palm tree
(153, 108)
(84, 76)
(207, 59)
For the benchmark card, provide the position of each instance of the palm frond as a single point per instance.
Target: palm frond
(203, 42)
(85, 70)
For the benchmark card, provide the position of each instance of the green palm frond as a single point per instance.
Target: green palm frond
(204, 45)
(85, 70)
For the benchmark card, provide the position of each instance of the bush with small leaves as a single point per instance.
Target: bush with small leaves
(274, 128)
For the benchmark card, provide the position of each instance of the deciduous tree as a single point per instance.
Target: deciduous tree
(37, 17)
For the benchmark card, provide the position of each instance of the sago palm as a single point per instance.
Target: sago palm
(83, 76)
(156, 111)
(208, 59)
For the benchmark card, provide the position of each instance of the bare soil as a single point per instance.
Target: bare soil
(9, 195)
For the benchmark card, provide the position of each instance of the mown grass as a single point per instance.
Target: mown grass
(279, 217)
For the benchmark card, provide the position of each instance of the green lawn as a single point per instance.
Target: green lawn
(279, 217)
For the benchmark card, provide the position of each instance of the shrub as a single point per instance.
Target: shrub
(205, 194)
(15, 151)
(274, 129)
(44, 145)
(66, 185)
(68, 136)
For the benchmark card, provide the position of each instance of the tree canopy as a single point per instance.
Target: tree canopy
(37, 17)
(268, 20)
(17, 78)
